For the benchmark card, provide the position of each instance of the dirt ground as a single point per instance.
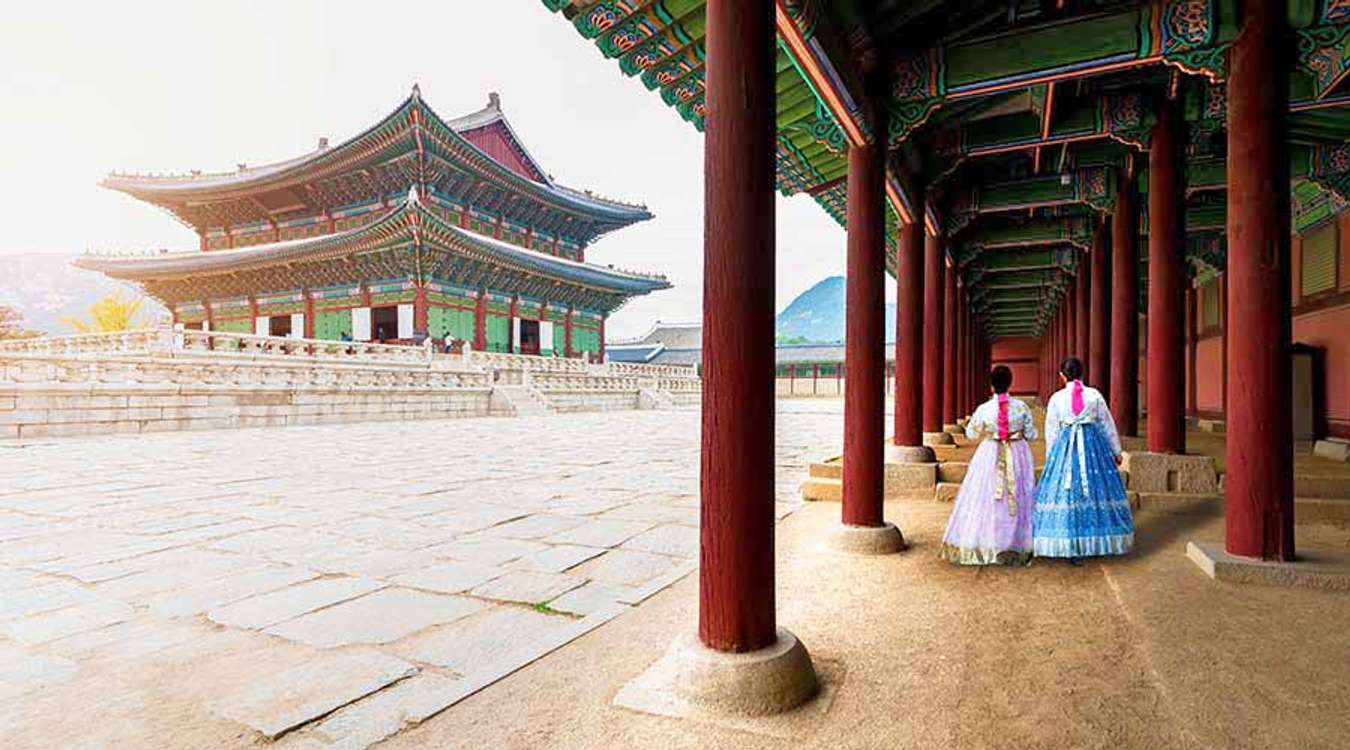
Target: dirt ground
(1136, 652)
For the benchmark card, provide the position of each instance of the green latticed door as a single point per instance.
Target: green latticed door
(332, 325)
(498, 333)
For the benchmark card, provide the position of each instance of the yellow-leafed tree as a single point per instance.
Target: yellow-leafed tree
(111, 313)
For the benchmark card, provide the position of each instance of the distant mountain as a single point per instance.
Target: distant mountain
(817, 314)
(44, 288)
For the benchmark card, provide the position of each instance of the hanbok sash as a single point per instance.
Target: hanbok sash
(1074, 425)
(1005, 473)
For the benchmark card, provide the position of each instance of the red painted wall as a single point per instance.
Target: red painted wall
(493, 141)
(1022, 356)
(1322, 321)
(1328, 329)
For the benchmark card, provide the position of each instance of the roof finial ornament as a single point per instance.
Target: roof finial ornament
(417, 91)
(494, 100)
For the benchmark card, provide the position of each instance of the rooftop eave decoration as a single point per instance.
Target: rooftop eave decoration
(413, 122)
(407, 223)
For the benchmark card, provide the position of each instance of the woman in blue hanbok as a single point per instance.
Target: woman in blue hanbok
(1081, 508)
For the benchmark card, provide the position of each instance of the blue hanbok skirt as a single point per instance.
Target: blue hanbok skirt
(1081, 508)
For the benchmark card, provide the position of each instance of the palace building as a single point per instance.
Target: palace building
(418, 227)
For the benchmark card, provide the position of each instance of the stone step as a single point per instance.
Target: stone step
(903, 481)
(823, 489)
(831, 469)
(952, 471)
(946, 491)
(1322, 486)
(1165, 501)
(1321, 510)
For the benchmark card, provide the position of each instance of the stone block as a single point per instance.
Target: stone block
(1315, 568)
(1174, 501)
(1334, 449)
(296, 696)
(832, 469)
(450, 578)
(822, 489)
(1163, 472)
(952, 471)
(946, 492)
(901, 477)
(1321, 486)
(260, 611)
(528, 587)
(381, 617)
(1210, 425)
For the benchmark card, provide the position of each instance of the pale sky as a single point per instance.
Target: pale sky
(176, 86)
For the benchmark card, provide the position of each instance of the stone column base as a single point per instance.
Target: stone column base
(866, 540)
(909, 454)
(1166, 472)
(1318, 569)
(938, 438)
(692, 680)
(953, 429)
(1209, 425)
(1334, 449)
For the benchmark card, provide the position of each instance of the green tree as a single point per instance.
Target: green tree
(111, 313)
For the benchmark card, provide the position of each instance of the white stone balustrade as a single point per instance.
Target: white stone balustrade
(547, 382)
(47, 368)
(682, 372)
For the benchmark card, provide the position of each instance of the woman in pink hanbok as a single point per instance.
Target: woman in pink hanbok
(991, 523)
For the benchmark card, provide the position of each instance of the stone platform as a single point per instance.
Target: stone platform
(902, 480)
(1315, 568)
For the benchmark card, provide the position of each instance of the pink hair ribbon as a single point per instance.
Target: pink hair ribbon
(1077, 400)
(1003, 416)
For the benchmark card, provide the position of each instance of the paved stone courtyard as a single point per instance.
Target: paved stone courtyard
(215, 588)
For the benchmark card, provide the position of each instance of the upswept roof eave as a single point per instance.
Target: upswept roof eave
(178, 265)
(157, 189)
(571, 270)
(571, 197)
(154, 186)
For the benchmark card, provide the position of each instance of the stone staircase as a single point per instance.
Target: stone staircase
(518, 401)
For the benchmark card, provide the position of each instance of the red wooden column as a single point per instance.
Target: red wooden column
(736, 571)
(480, 322)
(309, 315)
(865, 334)
(949, 345)
(1166, 380)
(1260, 496)
(567, 333)
(1125, 308)
(1099, 343)
(603, 318)
(420, 312)
(933, 288)
(909, 333)
(1082, 334)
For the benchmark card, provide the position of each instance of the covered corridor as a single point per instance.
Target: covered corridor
(1061, 173)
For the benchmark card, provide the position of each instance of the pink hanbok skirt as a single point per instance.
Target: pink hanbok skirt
(986, 528)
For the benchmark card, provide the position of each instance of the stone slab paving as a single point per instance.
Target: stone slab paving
(331, 585)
